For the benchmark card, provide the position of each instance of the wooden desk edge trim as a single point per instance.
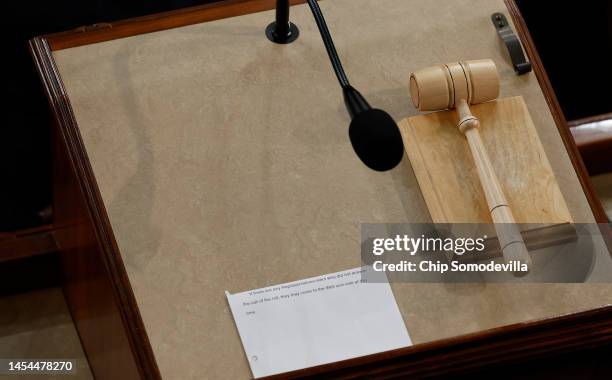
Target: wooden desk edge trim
(594, 142)
(558, 116)
(161, 21)
(511, 342)
(26, 243)
(115, 270)
(590, 119)
(502, 345)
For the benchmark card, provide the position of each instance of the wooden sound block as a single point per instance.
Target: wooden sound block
(446, 174)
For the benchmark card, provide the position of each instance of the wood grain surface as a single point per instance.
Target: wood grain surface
(445, 169)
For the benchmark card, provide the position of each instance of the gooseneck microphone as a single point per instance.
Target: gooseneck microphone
(374, 134)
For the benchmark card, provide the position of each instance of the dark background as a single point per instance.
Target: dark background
(574, 40)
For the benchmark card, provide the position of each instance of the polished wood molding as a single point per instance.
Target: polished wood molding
(96, 285)
(161, 21)
(555, 108)
(593, 133)
(26, 243)
(99, 293)
(590, 120)
(562, 125)
(593, 136)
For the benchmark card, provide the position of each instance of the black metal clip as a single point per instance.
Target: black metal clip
(521, 66)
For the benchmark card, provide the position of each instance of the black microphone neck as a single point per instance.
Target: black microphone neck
(354, 101)
(374, 134)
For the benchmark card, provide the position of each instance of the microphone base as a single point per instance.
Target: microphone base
(273, 34)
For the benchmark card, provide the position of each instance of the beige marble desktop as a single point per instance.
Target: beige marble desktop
(37, 325)
(224, 164)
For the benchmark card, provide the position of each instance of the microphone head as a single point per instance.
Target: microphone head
(376, 139)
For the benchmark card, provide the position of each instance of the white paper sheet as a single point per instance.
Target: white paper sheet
(317, 321)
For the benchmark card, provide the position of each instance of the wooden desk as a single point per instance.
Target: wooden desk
(199, 157)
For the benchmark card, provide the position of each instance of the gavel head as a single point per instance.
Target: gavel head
(441, 87)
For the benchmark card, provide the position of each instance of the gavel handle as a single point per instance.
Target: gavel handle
(509, 235)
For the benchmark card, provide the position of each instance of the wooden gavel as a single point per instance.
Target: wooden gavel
(457, 85)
